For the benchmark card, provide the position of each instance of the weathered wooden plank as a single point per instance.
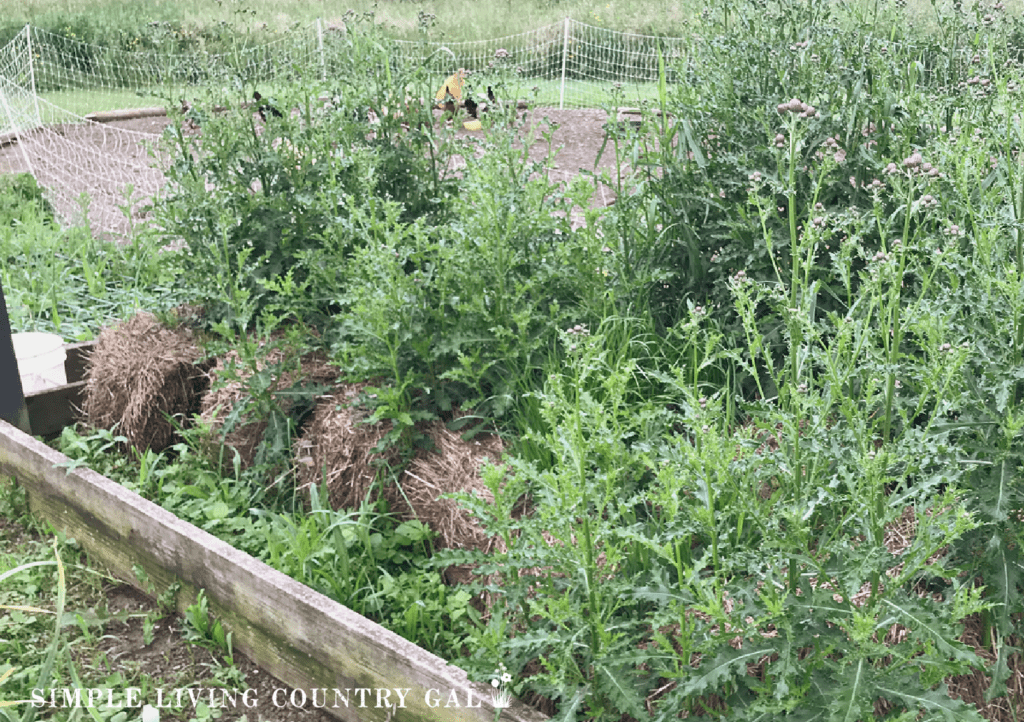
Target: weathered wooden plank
(107, 116)
(300, 636)
(76, 359)
(51, 410)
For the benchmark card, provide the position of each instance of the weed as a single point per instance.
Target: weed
(201, 628)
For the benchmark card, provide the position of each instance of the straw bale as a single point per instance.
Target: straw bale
(337, 448)
(452, 466)
(228, 389)
(971, 687)
(139, 373)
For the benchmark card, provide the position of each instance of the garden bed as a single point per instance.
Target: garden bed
(301, 637)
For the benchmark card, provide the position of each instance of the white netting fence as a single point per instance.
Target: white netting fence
(18, 107)
(92, 172)
(90, 169)
(65, 64)
(570, 64)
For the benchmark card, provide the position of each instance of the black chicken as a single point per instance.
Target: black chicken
(265, 108)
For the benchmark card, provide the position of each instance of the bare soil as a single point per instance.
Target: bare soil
(175, 663)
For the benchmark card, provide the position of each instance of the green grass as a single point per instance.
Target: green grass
(83, 102)
(455, 19)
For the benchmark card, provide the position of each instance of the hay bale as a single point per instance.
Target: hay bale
(139, 373)
(228, 390)
(337, 448)
(452, 466)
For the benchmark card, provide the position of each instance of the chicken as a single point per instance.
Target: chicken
(265, 108)
(450, 94)
(193, 116)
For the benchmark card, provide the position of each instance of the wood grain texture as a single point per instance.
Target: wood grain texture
(300, 636)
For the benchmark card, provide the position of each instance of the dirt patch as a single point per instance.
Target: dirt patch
(168, 659)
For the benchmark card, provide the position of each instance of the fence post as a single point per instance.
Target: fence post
(32, 74)
(565, 56)
(320, 48)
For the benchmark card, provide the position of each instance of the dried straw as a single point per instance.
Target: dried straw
(139, 374)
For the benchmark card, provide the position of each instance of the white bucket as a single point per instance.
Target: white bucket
(40, 360)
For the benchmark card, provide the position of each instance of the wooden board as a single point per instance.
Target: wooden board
(107, 116)
(300, 636)
(76, 360)
(51, 410)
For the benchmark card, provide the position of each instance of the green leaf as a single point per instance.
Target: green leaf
(925, 620)
(724, 668)
(952, 710)
(1000, 672)
(219, 510)
(618, 683)
(852, 702)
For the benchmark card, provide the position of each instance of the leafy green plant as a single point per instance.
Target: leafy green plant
(765, 408)
(40, 262)
(202, 628)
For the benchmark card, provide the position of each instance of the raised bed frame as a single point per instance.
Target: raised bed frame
(303, 638)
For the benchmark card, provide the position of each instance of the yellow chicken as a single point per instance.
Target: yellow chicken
(450, 94)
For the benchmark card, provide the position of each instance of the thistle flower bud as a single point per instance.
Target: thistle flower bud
(913, 162)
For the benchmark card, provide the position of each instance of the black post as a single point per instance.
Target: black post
(12, 398)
